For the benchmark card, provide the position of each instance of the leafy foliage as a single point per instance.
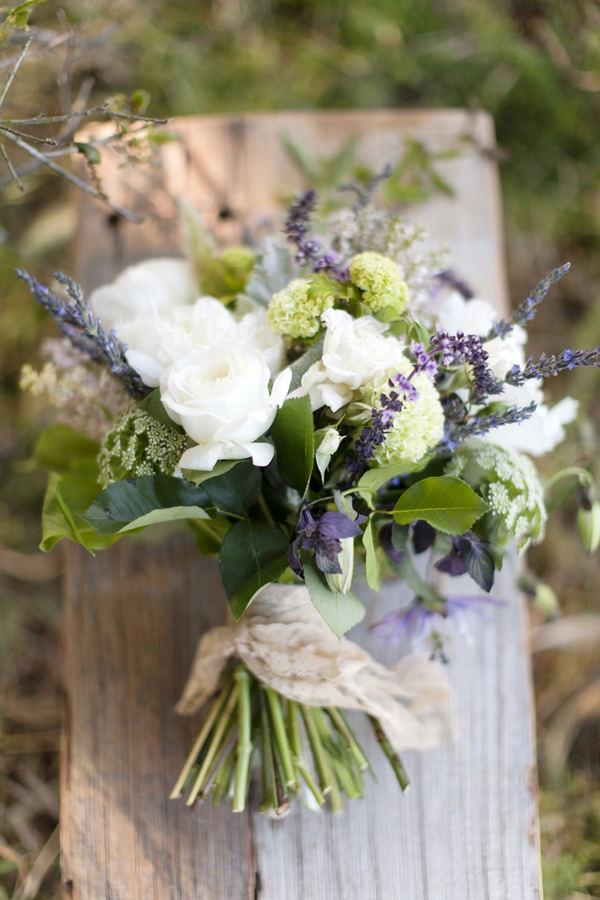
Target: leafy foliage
(252, 555)
(447, 503)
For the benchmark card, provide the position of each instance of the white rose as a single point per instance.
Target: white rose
(154, 342)
(221, 398)
(148, 288)
(355, 353)
(254, 329)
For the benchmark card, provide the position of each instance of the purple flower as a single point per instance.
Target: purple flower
(309, 248)
(323, 535)
(423, 536)
(547, 366)
(528, 308)
(417, 624)
(461, 348)
(457, 432)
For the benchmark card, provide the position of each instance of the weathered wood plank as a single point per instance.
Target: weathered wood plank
(468, 828)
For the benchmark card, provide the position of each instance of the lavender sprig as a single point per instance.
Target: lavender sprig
(373, 434)
(467, 348)
(80, 324)
(364, 191)
(309, 248)
(456, 433)
(527, 310)
(547, 366)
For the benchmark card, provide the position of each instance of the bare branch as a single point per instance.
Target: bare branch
(14, 175)
(44, 160)
(92, 112)
(14, 70)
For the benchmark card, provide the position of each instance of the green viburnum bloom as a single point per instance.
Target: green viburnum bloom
(226, 275)
(510, 484)
(416, 428)
(380, 282)
(136, 445)
(296, 310)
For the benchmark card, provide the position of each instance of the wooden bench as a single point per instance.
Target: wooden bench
(467, 830)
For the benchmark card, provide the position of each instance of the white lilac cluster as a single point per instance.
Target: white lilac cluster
(509, 483)
(213, 368)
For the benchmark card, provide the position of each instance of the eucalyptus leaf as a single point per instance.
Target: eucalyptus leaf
(304, 362)
(341, 612)
(371, 561)
(447, 503)
(273, 270)
(293, 436)
(253, 554)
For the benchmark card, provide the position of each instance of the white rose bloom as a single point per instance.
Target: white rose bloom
(155, 342)
(254, 329)
(544, 430)
(149, 288)
(355, 353)
(221, 398)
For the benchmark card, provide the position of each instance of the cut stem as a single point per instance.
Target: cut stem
(215, 744)
(393, 758)
(224, 776)
(281, 740)
(341, 725)
(322, 759)
(244, 740)
(298, 752)
(269, 783)
(201, 739)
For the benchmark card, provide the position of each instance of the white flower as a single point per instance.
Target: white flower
(253, 328)
(148, 288)
(355, 353)
(544, 430)
(221, 398)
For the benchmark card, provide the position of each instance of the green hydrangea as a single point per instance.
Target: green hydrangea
(296, 310)
(509, 482)
(415, 429)
(226, 275)
(137, 444)
(380, 282)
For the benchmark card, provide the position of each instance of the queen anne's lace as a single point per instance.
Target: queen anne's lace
(509, 482)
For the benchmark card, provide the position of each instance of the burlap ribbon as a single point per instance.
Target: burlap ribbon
(285, 643)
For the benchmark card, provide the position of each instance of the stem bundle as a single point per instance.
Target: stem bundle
(248, 716)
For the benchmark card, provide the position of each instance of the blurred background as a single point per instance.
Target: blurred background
(536, 67)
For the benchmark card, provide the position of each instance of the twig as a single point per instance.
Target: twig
(78, 182)
(14, 70)
(14, 175)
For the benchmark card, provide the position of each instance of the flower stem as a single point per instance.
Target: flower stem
(322, 759)
(224, 776)
(281, 740)
(393, 758)
(244, 740)
(298, 754)
(341, 725)
(215, 744)
(269, 783)
(341, 762)
(201, 739)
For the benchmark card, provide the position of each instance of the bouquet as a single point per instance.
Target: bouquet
(316, 410)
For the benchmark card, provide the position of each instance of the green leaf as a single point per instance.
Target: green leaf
(341, 612)
(294, 439)
(374, 479)
(198, 477)
(125, 502)
(236, 489)
(161, 516)
(152, 404)
(63, 449)
(371, 561)
(91, 153)
(209, 534)
(303, 364)
(253, 554)
(67, 496)
(447, 503)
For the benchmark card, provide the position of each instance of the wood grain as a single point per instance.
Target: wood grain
(468, 828)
